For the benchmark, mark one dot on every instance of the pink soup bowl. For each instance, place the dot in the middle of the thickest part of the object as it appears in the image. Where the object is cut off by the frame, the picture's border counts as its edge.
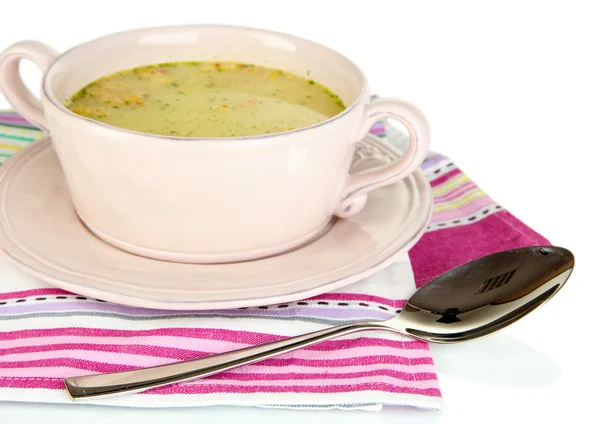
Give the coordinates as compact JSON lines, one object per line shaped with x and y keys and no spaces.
{"x":209,"y":200}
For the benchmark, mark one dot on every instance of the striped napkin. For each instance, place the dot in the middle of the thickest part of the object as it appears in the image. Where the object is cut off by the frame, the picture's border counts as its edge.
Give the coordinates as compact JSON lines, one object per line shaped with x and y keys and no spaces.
{"x":47,"y":334}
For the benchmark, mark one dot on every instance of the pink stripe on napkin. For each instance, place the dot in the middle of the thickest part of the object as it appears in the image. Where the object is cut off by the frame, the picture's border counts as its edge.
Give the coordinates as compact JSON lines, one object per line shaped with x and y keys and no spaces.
{"x":438,"y":251}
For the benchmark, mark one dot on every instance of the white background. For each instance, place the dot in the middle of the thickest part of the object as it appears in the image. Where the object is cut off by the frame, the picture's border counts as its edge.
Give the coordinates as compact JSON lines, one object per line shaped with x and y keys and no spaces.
{"x":512,"y":93}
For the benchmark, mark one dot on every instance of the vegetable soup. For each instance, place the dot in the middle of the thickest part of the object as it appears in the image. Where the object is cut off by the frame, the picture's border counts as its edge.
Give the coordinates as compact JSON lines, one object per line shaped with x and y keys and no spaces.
{"x":206,"y":99}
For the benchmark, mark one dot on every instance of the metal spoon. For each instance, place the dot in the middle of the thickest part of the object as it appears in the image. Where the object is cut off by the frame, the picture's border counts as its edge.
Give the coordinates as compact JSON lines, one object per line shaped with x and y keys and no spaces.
{"x":467,"y":302}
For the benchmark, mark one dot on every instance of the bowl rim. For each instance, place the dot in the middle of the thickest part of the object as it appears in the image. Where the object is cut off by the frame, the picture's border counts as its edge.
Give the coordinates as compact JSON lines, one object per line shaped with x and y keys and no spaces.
{"x":47,"y":92}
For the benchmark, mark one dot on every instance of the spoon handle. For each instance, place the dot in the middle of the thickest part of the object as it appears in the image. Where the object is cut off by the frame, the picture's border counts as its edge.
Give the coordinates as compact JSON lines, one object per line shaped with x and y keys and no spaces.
{"x":98,"y":385}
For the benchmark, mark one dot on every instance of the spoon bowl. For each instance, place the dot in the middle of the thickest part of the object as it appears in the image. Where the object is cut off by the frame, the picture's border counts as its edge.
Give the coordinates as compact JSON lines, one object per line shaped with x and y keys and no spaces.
{"x":485,"y":295}
{"x":468,"y":302}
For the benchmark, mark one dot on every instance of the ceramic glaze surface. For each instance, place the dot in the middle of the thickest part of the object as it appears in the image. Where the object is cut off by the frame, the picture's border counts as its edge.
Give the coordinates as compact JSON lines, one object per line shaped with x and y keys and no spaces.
{"x":40,"y":232}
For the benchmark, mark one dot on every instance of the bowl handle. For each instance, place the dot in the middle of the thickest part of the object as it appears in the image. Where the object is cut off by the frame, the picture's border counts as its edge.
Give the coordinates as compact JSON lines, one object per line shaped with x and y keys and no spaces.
{"x":11,"y":84}
{"x":354,"y":195}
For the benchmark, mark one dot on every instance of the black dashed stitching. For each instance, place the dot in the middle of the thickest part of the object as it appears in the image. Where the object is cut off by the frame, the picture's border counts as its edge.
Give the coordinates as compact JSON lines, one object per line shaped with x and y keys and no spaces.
{"x":323,"y":303}
{"x":470,"y":218}
{"x":438,"y":170}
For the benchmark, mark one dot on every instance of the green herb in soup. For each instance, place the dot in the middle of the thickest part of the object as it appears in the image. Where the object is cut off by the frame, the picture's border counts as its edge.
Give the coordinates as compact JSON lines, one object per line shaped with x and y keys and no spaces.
{"x":206,"y":99}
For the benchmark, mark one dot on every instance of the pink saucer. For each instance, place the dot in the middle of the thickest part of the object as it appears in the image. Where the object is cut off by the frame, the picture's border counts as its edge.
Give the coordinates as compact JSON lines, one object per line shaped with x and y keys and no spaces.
{"x":41,"y":233}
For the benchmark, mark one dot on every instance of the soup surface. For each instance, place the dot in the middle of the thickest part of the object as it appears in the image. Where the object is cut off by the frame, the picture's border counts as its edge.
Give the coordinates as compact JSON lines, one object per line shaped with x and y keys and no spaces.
{"x":206,"y":99}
